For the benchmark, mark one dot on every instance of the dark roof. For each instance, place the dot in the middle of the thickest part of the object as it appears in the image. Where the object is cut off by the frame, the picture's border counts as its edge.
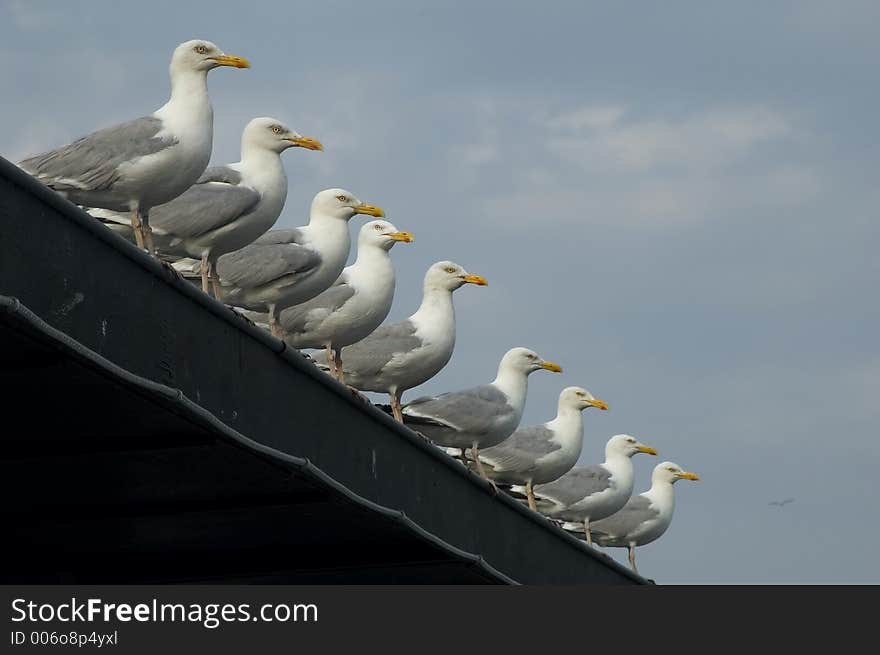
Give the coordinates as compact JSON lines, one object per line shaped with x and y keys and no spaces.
{"x":152,"y":435}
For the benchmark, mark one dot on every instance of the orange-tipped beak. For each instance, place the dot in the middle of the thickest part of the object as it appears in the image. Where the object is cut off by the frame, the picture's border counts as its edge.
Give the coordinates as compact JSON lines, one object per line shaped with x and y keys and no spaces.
{"x":232,"y":60}
{"x":306,"y":142}
{"x":369,"y":210}
{"x":479,"y":280}
{"x":598,"y":404}
{"x":551,"y":366}
{"x":406,"y":237}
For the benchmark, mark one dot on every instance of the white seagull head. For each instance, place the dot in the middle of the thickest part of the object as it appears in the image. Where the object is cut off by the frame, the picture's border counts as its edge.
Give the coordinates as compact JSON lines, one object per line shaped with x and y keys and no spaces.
{"x":343,"y":205}
{"x":449,"y":276}
{"x":527,"y":361}
{"x":670,"y":472}
{"x":382,"y":234}
{"x":627,"y":445}
{"x":266,"y":133}
{"x":199,"y":55}
{"x":580,"y":399}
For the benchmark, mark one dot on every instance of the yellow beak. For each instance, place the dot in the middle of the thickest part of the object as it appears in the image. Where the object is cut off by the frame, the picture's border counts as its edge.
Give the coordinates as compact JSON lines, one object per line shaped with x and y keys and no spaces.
{"x":479,"y":280}
{"x":647,"y":449}
{"x":406,"y":237}
{"x":369,"y":210}
{"x":599,"y":404}
{"x":306,"y":142}
{"x":551,"y":366}
{"x":687,"y":475}
{"x":232,"y":60}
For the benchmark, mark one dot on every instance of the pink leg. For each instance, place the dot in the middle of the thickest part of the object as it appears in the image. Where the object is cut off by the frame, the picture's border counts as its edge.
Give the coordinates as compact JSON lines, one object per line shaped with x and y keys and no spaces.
{"x":331,"y":360}
{"x":148,"y":234}
{"x":274,"y":326}
{"x":587,"y":532}
{"x":215,"y":280}
{"x":205,"y":270}
{"x":475,"y":454}
{"x":337,"y":359}
{"x":395,"y":407}
{"x":137,"y":228}
{"x":530,"y":494}
{"x":632,"y":558}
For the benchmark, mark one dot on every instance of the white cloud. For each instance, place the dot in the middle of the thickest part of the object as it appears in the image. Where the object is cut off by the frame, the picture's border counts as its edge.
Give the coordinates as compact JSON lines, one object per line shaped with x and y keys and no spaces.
{"x":596,"y":136}
{"x":27,"y":16}
{"x":610,"y":164}
{"x":589,"y":118}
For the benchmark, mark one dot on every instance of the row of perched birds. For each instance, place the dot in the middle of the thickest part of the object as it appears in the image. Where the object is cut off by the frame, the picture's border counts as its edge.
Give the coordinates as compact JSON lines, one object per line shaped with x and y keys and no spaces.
{"x":148,"y":180}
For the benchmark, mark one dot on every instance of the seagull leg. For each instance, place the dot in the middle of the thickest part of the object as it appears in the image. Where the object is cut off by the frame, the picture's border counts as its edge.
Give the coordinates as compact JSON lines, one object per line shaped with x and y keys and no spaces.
{"x":215,"y":279}
{"x":337,"y":358}
{"x":148,"y":233}
{"x":274,"y":327}
{"x":137,"y":227}
{"x":587,"y":532}
{"x":463,"y":457}
{"x":205,"y":273}
{"x":530,"y":494}
{"x":632,"y":558}
{"x":395,"y":407}
{"x":475,"y":453}
{"x":331,"y":361}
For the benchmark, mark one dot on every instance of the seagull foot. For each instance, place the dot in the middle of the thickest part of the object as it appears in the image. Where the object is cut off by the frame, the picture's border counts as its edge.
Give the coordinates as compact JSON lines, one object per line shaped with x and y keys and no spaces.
{"x":357,"y":394}
{"x":242,"y":316}
{"x":168,"y":267}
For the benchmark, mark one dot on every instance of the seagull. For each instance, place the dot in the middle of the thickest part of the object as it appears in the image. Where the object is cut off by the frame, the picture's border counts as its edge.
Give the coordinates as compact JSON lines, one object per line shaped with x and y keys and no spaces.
{"x":645,"y":517}
{"x":289,"y":266}
{"x":589,"y":493}
{"x":781,"y":503}
{"x":134,"y":166}
{"x":541,"y":453}
{"x":355,"y":305}
{"x":229,"y":206}
{"x":480,"y":417}
{"x":403,"y":355}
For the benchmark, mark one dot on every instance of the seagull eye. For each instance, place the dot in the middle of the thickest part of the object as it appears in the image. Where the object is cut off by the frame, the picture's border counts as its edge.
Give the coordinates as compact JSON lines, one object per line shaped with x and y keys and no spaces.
{"x":377,"y":227}
{"x":342,"y":198}
{"x":449,"y":269}
{"x":276,"y":129}
{"x":201,"y":49}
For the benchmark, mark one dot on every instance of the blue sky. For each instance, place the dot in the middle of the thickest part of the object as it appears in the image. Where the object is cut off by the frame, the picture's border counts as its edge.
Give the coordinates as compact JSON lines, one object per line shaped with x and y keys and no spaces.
{"x":675,"y":201}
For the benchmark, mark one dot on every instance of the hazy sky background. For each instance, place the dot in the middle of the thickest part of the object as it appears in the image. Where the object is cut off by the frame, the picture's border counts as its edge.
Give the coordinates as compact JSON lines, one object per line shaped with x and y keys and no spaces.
{"x":676,"y":201}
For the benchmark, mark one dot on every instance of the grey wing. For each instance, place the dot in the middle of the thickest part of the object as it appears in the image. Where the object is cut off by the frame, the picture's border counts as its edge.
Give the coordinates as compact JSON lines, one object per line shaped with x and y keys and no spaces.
{"x":259,"y":264}
{"x":202,"y":208}
{"x":473,"y":410}
{"x":637,"y":511}
{"x":369,"y":356}
{"x":92,"y":162}
{"x":220,"y":174}
{"x":300,"y":318}
{"x":521,"y":449}
{"x":579,"y":483}
{"x":286,"y":235}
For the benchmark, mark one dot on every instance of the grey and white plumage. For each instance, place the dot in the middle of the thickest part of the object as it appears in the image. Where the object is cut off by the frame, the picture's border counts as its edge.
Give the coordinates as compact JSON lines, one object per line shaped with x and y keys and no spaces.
{"x":483,"y":416}
{"x":356,"y":304}
{"x":644,"y":518}
{"x":589,"y":493}
{"x":286,"y":267}
{"x":229,"y":206}
{"x":400,"y":356}
{"x":148,"y":161}
{"x":541,"y":453}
